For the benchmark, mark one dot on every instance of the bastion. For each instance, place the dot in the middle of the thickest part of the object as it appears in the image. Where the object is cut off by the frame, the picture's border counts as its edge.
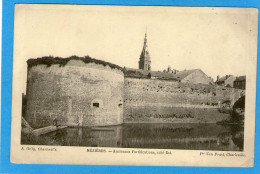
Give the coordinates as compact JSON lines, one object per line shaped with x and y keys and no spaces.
{"x":74,"y":92}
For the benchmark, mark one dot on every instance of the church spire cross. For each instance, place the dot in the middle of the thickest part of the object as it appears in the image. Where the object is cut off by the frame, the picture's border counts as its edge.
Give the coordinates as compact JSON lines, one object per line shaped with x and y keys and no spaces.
{"x":145,"y":42}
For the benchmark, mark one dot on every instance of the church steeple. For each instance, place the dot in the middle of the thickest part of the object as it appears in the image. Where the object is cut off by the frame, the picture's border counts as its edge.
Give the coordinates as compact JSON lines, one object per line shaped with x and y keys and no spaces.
{"x":145,"y":61}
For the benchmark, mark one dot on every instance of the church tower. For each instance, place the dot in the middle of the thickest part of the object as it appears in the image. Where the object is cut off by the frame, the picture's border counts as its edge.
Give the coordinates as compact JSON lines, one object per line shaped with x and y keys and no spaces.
{"x":145,"y":61}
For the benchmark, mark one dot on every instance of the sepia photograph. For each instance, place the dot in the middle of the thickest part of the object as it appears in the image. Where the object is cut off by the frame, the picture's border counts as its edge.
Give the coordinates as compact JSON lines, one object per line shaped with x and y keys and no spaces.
{"x":133,"y":79}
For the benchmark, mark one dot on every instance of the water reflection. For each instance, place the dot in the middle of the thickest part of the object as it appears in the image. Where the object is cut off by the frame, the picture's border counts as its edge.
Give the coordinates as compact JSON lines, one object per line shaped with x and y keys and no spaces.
{"x":181,"y":136}
{"x":157,"y":136}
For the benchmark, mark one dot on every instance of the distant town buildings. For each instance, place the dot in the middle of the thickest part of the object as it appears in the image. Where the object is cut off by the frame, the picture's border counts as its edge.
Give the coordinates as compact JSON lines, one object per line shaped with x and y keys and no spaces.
{"x":139,"y":73}
{"x":227,"y":80}
{"x":232,"y":81}
{"x":170,"y":70}
{"x":240,"y":82}
{"x":190,"y":76}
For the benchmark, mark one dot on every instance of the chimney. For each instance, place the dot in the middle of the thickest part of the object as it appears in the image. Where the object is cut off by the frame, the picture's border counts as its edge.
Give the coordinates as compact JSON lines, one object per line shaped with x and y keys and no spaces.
{"x":217,"y":78}
{"x":227,"y":76}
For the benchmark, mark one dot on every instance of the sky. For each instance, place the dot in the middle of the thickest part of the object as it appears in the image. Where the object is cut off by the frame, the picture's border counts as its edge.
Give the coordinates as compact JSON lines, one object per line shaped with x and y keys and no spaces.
{"x":216,"y":40}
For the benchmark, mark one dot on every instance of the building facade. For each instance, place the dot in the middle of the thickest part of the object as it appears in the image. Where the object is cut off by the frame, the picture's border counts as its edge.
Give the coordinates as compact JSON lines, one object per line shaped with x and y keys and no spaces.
{"x":240,"y":82}
{"x":227,"y":80}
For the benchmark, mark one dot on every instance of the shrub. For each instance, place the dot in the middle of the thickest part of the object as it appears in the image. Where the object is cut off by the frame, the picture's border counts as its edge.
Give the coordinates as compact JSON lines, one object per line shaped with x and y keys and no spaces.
{"x":50,"y":60}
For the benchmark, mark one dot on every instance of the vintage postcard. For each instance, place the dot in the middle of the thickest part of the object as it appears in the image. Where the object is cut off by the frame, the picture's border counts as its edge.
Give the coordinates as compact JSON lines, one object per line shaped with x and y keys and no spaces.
{"x":134,"y":85}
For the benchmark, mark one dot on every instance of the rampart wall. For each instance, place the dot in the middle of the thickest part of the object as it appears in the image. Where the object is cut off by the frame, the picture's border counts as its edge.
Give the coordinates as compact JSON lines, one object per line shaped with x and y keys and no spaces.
{"x":77,"y":94}
{"x":148,"y":100}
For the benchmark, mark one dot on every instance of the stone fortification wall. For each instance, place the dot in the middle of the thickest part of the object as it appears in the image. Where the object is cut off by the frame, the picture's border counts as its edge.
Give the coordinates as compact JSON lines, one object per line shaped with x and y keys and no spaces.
{"x":147,"y":92}
{"x":169,"y":101}
{"x":76,"y":94}
{"x":173,"y":115}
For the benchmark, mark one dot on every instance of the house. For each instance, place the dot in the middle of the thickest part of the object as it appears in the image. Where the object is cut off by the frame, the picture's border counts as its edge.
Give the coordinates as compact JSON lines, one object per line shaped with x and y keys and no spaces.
{"x":193,"y":76}
{"x":227,"y":80}
{"x":186,"y":76}
{"x":240,"y":82}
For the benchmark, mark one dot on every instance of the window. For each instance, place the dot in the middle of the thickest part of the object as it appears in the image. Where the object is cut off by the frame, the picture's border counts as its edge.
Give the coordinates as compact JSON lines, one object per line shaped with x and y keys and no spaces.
{"x":96,"y":105}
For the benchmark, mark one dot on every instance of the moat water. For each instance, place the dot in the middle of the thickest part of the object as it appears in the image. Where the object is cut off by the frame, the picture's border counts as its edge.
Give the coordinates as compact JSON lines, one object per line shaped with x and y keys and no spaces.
{"x":153,"y":136}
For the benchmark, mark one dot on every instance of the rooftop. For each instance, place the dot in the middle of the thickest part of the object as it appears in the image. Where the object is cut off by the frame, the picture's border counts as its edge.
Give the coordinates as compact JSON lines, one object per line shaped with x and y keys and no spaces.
{"x":182,"y":74}
{"x":223,"y":78}
{"x":138,"y":73}
{"x":241,"y":78}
